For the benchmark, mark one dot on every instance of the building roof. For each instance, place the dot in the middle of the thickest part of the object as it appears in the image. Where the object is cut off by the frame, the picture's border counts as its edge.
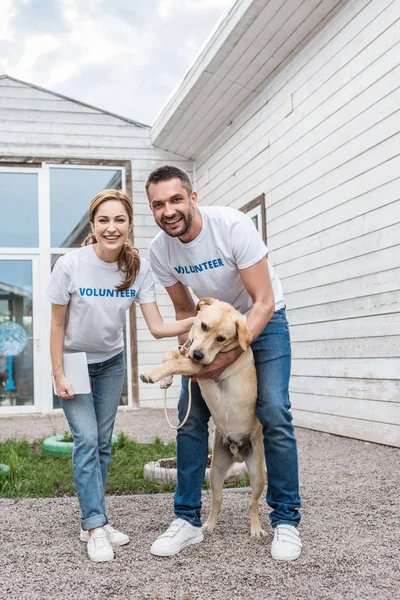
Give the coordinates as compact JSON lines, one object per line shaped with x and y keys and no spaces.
{"x":253,"y":41}
{"x":106,"y":112}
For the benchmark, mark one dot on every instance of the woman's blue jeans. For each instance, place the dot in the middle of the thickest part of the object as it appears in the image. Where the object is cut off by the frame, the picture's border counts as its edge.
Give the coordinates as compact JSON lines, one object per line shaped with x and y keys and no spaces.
{"x":91,"y":420}
{"x":272,"y":355}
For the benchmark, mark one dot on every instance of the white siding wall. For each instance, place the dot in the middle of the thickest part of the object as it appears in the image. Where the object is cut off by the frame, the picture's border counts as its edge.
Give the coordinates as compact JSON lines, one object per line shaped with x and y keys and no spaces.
{"x":37,"y":123}
{"x":330,"y":171}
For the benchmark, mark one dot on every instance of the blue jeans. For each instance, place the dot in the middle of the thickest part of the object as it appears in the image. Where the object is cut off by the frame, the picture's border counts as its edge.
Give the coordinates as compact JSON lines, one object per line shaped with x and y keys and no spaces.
{"x":272,"y":355}
{"x":91,"y":420}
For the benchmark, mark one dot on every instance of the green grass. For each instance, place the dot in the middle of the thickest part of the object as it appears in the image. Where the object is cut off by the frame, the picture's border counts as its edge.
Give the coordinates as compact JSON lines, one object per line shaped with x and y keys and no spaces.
{"x":67,"y":436}
{"x":34,"y":474}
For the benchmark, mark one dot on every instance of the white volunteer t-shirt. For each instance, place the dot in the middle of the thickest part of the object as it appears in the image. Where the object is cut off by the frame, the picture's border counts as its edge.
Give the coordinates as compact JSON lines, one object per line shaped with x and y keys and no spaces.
{"x":209,"y":264}
{"x":96,"y":313}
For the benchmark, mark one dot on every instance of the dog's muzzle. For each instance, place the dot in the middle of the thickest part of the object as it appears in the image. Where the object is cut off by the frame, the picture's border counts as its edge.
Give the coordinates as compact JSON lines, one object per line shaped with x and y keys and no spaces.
{"x":197,"y":355}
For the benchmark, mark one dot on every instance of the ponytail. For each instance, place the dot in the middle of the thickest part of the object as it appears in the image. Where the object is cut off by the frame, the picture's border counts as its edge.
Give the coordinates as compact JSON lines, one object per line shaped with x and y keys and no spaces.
{"x":129,"y":263}
{"x":89,"y":239}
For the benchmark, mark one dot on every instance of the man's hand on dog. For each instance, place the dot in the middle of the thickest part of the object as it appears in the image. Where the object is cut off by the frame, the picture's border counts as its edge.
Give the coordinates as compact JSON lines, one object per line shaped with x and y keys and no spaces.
{"x":219,"y":364}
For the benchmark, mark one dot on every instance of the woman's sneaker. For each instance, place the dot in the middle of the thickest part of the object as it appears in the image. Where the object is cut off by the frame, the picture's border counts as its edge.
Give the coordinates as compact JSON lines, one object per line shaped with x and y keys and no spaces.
{"x":99,"y":547}
{"x":117,"y":538}
{"x":178,"y":535}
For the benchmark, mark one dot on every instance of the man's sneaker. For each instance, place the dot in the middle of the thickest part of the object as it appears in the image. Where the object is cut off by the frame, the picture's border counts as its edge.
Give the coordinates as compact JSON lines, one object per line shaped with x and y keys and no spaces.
{"x":99,"y":547}
{"x":287,"y":544}
{"x":117,"y":538}
{"x":178,"y":535}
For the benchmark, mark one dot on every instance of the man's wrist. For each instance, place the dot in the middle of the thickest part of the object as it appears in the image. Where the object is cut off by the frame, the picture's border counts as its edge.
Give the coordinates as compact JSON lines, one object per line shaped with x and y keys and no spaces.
{"x":238,"y":351}
{"x":233,"y":355}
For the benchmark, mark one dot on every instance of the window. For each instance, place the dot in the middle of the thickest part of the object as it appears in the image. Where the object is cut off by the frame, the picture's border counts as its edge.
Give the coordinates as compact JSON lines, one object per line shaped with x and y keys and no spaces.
{"x":19,"y":210}
{"x":16,"y":333}
{"x":256,"y":211}
{"x":71,"y":190}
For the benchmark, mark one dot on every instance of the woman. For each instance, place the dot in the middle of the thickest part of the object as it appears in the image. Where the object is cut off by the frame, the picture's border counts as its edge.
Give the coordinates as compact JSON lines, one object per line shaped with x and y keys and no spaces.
{"x":91,"y":289}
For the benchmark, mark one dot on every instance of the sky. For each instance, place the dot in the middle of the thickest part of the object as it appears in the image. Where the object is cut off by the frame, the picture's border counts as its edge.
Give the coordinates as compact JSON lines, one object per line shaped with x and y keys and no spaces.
{"x":124,"y":56}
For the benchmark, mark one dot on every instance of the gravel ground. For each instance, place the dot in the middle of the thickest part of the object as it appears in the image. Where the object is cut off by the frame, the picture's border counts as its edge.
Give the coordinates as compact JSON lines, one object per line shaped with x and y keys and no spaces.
{"x":350,"y":532}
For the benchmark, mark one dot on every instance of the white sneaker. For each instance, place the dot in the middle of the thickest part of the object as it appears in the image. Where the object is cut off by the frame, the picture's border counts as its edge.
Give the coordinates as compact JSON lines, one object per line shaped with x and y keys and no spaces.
{"x":99,"y":547}
{"x":287,"y":544}
{"x":178,"y":535}
{"x":117,"y":538}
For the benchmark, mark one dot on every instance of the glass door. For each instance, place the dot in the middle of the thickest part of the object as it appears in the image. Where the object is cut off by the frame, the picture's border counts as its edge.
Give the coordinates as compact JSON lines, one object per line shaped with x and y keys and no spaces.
{"x":18,"y":342}
{"x":71,"y":187}
{"x":19,"y":288}
{"x":43,"y":215}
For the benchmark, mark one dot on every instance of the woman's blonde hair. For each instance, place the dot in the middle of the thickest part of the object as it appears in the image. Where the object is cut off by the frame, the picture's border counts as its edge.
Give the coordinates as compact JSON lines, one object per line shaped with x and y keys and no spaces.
{"x":128,"y":259}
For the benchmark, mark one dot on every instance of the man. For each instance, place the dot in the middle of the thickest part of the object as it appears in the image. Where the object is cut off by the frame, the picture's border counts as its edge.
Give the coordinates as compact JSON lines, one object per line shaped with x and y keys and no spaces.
{"x":217,"y":252}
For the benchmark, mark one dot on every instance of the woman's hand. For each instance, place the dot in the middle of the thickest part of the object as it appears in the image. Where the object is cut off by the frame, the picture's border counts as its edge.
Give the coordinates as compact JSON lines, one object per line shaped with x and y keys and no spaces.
{"x":160,"y":328}
{"x":188,"y":322}
{"x":63,"y":387}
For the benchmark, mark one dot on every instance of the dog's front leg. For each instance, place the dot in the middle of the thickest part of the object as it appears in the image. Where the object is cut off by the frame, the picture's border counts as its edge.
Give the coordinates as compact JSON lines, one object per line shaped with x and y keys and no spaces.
{"x":176,"y":365}
{"x":165,"y":382}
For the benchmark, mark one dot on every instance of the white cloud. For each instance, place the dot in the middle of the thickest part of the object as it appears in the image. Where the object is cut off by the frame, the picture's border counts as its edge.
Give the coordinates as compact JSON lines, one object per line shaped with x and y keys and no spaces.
{"x":35,"y":47}
{"x":124,"y":56}
{"x":101,"y":38}
{"x":6,"y":14}
{"x":205,"y":5}
{"x":61,"y":72}
{"x":166,"y":7}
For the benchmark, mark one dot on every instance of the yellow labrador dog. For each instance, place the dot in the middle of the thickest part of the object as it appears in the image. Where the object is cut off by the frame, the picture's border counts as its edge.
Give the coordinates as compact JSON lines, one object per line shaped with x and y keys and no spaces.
{"x":218,"y":327}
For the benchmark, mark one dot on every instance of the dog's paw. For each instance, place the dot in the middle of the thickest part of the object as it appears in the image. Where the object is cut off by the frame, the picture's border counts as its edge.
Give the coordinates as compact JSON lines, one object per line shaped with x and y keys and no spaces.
{"x":166,"y":382}
{"x":258,"y":532}
{"x":146,"y":378}
{"x":208,"y":526}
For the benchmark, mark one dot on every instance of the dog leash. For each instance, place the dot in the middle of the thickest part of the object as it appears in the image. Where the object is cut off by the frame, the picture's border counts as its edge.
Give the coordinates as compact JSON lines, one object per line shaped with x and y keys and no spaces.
{"x":188,"y":408}
{"x":184,"y":346}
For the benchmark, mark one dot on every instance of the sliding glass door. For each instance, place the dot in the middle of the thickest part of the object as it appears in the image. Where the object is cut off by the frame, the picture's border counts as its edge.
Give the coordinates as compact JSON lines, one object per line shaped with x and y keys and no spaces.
{"x":43,"y":215}
{"x":19,"y":342}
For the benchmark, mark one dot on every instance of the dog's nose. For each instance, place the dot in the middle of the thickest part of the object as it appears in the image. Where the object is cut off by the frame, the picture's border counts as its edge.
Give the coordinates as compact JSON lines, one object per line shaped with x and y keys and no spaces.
{"x":197,"y":354}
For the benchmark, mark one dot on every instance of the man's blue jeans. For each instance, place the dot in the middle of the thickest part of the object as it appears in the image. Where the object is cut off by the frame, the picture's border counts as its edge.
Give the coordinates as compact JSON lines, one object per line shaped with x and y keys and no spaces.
{"x":91,"y":420}
{"x":272,"y":354}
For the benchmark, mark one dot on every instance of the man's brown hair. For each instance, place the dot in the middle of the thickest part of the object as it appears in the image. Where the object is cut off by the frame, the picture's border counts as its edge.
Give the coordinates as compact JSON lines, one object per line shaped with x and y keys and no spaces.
{"x":167,"y":172}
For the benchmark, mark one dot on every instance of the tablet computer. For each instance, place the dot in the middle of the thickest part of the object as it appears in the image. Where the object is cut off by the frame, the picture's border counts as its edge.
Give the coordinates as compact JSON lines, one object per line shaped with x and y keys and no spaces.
{"x":76,"y":371}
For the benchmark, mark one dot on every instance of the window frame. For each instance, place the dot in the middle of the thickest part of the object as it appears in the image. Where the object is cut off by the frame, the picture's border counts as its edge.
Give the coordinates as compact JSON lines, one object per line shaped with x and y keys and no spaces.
{"x":256,"y":203}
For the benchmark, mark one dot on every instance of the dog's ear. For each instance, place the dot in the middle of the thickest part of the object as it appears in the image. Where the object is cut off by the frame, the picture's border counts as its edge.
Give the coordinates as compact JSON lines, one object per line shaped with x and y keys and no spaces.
{"x":244,"y":334}
{"x":203,"y":302}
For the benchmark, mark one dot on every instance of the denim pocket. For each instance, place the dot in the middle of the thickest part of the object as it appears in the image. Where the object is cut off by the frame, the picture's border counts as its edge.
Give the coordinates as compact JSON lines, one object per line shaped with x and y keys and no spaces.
{"x":279,"y":317}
